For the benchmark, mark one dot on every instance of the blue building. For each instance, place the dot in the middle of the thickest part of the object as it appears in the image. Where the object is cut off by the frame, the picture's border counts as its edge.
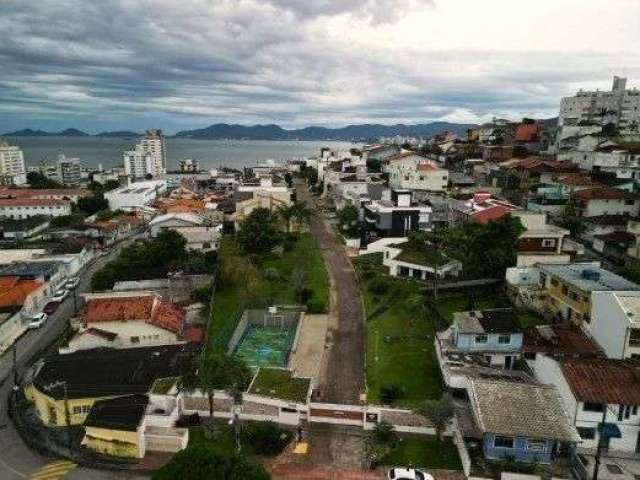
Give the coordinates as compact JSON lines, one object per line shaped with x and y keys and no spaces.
{"x":520,"y":421}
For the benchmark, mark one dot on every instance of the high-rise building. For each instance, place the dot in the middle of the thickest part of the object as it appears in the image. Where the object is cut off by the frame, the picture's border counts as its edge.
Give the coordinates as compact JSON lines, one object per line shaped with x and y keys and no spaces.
{"x":69,"y":170}
{"x":12,"y":168}
{"x":619,"y":106}
{"x":148,"y":157}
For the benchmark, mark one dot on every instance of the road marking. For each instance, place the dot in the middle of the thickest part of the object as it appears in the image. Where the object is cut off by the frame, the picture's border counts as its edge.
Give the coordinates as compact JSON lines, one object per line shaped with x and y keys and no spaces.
{"x":53,"y":471}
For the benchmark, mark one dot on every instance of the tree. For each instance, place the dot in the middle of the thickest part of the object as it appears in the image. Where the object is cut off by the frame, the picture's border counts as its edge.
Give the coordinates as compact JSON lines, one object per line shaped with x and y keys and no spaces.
{"x":258,"y":232}
{"x":287,"y":214}
{"x":38,"y":180}
{"x":571,"y":219}
{"x":288,"y":179}
{"x":217,"y":371}
{"x":206,"y":462}
{"x":93,"y":204}
{"x":348,"y":219}
{"x":298,"y":283}
{"x":440,"y":412}
{"x":301,"y":212}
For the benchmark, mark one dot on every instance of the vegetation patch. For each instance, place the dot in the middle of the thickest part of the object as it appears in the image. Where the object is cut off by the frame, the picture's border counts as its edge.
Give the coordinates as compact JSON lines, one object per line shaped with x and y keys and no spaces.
{"x":424,"y":451}
{"x":281,"y":384}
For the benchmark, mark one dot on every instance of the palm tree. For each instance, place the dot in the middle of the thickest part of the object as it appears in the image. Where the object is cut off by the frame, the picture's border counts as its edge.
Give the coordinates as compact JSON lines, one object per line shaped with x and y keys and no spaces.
{"x":287,"y":213}
{"x":302,"y":213}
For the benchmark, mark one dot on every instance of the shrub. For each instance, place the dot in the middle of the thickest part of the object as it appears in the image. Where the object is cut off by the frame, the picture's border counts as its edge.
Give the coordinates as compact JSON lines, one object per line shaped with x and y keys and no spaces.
{"x":379,"y":286}
{"x":389,"y":393}
{"x":266,"y":438}
{"x":315,"y":305}
{"x":186,"y":421}
{"x":306,"y":295}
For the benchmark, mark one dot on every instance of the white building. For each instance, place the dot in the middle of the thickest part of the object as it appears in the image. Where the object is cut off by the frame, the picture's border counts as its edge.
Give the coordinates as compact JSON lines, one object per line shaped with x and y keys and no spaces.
{"x":618,"y":106}
{"x":148,"y":157}
{"x":12,"y":168}
{"x":173,"y":221}
{"x":414,"y":172}
{"x":69,"y":170}
{"x":18,"y":208}
{"x":135,"y":195}
{"x":596,"y":392}
{"x":615,"y":323}
{"x":204,"y":239}
{"x":541,"y":242}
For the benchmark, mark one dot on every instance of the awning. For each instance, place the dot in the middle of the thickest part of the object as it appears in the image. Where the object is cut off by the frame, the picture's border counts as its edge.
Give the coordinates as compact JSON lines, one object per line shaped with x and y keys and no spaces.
{"x":610,"y":430}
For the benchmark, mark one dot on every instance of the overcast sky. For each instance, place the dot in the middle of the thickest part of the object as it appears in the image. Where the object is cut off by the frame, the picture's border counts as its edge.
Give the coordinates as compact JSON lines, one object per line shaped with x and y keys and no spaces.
{"x":176,"y":64}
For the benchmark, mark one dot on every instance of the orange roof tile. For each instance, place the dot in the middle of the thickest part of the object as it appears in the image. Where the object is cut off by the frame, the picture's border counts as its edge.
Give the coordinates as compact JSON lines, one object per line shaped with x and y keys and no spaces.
{"x":14,"y":291}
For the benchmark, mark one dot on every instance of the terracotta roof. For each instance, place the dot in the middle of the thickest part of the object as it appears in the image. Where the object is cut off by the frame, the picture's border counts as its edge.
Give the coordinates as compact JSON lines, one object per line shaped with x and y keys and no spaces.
{"x":31,"y":202}
{"x":600,"y":193}
{"x":526,"y":132}
{"x":149,"y":308}
{"x":578,"y":179}
{"x":559,"y":340}
{"x":492,"y":213}
{"x":427,"y":167}
{"x":402,"y":155}
{"x":14,"y":290}
{"x":193,"y":334}
{"x":603,"y":381}
{"x":42,"y":192}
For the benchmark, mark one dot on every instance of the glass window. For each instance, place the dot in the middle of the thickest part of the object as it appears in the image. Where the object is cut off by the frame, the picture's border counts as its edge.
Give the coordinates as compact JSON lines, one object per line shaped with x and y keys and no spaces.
{"x":549,"y":242}
{"x":634,"y":337}
{"x":504,"y":338}
{"x":587,"y":433}
{"x":536,"y":446}
{"x":503,"y":442}
{"x":481,"y":339}
{"x":592,"y":407}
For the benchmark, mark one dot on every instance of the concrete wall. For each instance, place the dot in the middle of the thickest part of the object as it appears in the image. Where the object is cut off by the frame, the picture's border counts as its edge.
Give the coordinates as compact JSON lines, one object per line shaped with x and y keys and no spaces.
{"x":609,"y":324}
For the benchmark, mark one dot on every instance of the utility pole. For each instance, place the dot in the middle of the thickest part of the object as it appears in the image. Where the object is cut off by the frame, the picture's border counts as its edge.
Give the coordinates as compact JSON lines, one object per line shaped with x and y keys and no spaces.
{"x":15,"y":368}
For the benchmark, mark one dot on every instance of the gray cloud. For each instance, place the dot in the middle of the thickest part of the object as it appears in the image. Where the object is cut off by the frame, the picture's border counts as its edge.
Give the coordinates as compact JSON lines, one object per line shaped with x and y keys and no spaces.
{"x":135,"y":64}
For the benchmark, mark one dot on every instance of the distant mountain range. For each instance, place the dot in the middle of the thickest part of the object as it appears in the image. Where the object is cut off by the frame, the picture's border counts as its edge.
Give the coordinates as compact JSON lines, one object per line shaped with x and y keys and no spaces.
{"x":224,"y":131}
{"x":349,"y":133}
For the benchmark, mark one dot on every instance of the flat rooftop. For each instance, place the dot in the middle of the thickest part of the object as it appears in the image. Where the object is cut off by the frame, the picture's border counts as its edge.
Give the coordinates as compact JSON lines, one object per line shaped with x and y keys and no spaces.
{"x":589,"y":277}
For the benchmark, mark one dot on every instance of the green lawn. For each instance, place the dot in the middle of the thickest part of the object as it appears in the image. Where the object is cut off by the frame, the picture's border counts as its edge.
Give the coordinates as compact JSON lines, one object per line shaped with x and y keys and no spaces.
{"x":227,"y":305}
{"x":425,"y":452}
{"x":277,"y":383}
{"x":400,"y":347}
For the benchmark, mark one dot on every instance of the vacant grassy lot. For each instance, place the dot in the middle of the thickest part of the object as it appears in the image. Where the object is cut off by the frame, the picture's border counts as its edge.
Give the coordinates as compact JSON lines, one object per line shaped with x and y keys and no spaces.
{"x":425,"y":452}
{"x":228,"y":305}
{"x":400,"y":347}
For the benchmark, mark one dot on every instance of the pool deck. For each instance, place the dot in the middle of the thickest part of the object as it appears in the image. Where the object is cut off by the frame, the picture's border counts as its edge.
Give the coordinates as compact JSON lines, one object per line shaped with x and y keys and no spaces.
{"x":307,"y":359}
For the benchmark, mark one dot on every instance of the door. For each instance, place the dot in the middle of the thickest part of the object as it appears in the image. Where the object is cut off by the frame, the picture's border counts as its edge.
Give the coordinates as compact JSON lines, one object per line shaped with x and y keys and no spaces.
{"x":508,"y":362}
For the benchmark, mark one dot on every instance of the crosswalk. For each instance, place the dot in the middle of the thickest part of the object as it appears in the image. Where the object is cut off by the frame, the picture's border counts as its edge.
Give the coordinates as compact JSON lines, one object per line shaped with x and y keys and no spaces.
{"x":53,"y":470}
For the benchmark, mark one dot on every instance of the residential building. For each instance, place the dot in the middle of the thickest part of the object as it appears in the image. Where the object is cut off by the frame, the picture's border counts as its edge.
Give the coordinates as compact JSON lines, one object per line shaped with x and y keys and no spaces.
{"x":597,"y":392}
{"x":135,"y":195}
{"x":189,"y":165}
{"x":21,"y":208}
{"x":69,"y":170}
{"x":174,"y":220}
{"x":615,"y":323}
{"x":409,"y":171}
{"x":481,"y":208}
{"x":558,"y":341}
{"x":407,"y":260}
{"x":520,"y":421}
{"x":127,"y":320}
{"x":21,"y":294}
{"x":204,"y":239}
{"x":478,"y":343}
{"x":98,"y":374}
{"x":64,"y":194}
{"x":618,"y":106}
{"x":614,"y":245}
{"x":395,"y":215}
{"x":541,"y":242}
{"x":633,"y":227}
{"x":20,"y":230}
{"x":594,"y":202}
{"x":148,"y":157}
{"x":12,"y":167}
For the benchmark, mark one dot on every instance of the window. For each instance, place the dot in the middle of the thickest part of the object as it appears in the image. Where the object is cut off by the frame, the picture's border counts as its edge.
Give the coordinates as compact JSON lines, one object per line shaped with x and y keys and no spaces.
{"x":503,"y":442}
{"x":505,"y":338}
{"x":592,"y":407}
{"x":549,"y":242}
{"x":135,"y":339}
{"x":536,"y":446}
{"x":76,"y":410}
{"x":587,"y":433}
{"x":634,"y":337}
{"x":206,"y":245}
{"x":481,"y":339}
{"x":565,"y":290}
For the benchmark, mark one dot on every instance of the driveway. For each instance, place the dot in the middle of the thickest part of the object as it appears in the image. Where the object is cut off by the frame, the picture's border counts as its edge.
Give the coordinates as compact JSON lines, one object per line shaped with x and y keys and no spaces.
{"x":17,"y":461}
{"x":342,"y":376}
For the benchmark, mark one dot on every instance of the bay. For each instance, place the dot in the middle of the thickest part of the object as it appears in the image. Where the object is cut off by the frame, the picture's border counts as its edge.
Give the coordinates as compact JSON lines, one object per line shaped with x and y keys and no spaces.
{"x":94,"y":151}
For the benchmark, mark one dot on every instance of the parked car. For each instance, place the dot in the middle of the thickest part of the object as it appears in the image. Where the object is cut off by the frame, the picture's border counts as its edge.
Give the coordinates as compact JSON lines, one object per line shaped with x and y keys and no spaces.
{"x":51,"y":307}
{"x":60,"y":295}
{"x":400,"y":473}
{"x":38,"y":320}
{"x":72,"y":283}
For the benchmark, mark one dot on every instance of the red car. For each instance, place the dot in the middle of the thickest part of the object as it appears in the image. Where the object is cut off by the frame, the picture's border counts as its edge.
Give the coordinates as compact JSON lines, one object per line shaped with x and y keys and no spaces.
{"x":51,"y":307}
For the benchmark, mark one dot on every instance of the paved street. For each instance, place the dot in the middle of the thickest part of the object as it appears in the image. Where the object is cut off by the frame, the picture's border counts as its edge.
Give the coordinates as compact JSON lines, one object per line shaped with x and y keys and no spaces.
{"x":342,"y":380}
{"x":17,"y":461}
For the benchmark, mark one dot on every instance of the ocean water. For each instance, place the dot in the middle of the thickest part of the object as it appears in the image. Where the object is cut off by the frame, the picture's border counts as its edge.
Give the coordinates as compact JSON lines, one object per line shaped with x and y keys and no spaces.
{"x":210,"y":153}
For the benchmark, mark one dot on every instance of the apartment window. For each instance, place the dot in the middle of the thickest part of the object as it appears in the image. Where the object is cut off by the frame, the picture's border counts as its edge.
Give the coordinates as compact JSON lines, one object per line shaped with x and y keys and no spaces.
{"x":586,"y":433}
{"x":634,"y":337}
{"x":504,"y":339}
{"x":593,"y":407}
{"x":481,"y":339}
{"x":135,"y":339}
{"x":76,"y":410}
{"x":536,"y":446}
{"x":549,"y":242}
{"x":503,"y":442}
{"x":630,"y":201}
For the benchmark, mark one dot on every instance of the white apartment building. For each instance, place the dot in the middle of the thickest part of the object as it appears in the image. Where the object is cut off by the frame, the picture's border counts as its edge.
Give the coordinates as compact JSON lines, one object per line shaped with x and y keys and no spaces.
{"x":69,"y":170}
{"x":20,"y":208}
{"x":12,"y":168}
{"x":135,"y":195}
{"x":615,"y":323}
{"x":618,"y":106}
{"x":413,"y":172}
{"x":148,"y":157}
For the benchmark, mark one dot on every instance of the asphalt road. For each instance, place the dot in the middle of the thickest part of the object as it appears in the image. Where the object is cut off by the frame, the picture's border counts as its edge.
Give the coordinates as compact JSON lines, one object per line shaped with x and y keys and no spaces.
{"x":17,"y":461}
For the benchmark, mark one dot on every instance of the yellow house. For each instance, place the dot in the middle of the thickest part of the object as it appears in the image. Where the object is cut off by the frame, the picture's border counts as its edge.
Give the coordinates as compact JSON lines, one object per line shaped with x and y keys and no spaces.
{"x":51,"y":410}
{"x":569,"y":288}
{"x":116,"y":426}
